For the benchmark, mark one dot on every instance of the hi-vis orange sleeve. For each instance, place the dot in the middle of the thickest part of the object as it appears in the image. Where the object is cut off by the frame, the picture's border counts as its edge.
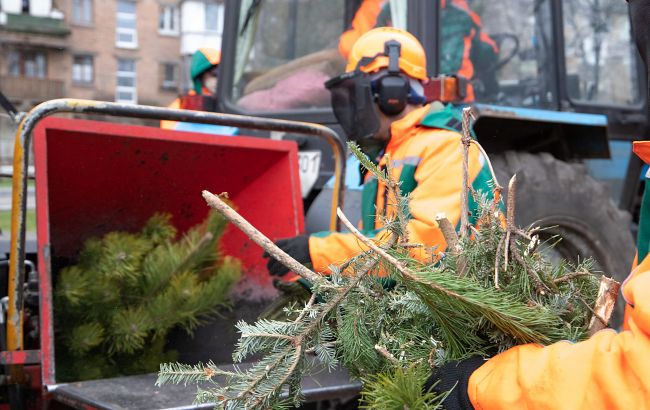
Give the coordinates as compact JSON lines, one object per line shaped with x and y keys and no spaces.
{"x":439,"y":181}
{"x":608,"y":371}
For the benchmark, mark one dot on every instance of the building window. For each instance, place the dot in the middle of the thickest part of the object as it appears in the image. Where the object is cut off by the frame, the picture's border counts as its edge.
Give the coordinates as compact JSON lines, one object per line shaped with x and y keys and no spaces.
{"x":24,"y":6}
{"x":82,"y":12}
{"x":125,"y":91}
{"x":168,"y":21}
{"x":25,"y":63}
{"x":214,"y":17}
{"x":126,"y":33}
{"x":169,"y":76}
{"x":82,"y":69}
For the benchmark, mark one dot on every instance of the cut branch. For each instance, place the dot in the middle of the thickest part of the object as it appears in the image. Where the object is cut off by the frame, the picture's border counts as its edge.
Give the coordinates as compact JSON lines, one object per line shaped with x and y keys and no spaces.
{"x":466,"y":141}
{"x":258,"y":237}
{"x":384,"y":352}
{"x":406,"y":272}
{"x":607,"y":294}
{"x":453,"y":245}
{"x":448,"y":231}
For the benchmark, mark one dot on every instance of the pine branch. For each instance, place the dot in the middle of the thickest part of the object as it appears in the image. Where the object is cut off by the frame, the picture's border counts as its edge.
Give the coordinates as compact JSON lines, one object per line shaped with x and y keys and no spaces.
{"x":514,"y":325}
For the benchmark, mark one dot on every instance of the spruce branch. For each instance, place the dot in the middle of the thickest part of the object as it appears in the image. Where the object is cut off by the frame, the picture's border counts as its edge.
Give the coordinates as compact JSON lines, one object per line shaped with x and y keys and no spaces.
{"x":256,"y":236}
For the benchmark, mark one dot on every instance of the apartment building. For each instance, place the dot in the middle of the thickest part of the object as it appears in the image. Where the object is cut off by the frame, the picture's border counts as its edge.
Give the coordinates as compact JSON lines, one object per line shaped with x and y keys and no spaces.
{"x":34,"y":38}
{"x":123,"y":50}
{"x":112,"y":50}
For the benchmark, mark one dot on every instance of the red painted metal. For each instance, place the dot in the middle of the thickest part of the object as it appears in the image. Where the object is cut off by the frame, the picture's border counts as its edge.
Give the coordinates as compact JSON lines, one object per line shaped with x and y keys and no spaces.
{"x":20,"y":357}
{"x":96,"y":177}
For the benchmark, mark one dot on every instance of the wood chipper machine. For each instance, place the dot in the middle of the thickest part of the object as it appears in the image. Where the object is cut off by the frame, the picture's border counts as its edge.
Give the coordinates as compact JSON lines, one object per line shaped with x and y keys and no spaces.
{"x":95,"y":177}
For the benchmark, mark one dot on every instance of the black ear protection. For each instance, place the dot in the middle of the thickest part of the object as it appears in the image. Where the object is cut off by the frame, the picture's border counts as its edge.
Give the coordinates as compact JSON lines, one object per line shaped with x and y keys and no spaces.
{"x":392,"y":91}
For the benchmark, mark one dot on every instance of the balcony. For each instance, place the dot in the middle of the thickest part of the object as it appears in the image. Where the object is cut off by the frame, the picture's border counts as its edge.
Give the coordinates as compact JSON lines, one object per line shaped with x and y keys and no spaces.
{"x":26,"y":29}
{"x":32,"y":89}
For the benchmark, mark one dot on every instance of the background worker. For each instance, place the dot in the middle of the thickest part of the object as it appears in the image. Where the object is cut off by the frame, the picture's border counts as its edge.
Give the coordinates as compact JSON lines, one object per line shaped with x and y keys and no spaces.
{"x":379,"y":103}
{"x":608,"y":371}
{"x":204,"y":74}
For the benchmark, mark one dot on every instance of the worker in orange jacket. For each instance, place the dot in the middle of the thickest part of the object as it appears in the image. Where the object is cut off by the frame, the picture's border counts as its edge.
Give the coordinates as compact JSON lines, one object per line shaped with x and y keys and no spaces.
{"x":379,"y":103}
{"x":608,"y":371}
{"x":203,"y":72}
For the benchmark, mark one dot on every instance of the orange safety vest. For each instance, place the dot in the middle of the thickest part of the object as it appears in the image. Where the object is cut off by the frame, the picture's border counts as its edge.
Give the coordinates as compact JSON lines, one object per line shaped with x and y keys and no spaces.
{"x":171,"y":125}
{"x":428,"y":162}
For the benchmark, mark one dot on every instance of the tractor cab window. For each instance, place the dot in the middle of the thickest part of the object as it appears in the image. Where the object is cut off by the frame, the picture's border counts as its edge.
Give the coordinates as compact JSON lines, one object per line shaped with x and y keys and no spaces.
{"x":505,"y":52}
{"x":599,"y":52}
{"x":286,"y":50}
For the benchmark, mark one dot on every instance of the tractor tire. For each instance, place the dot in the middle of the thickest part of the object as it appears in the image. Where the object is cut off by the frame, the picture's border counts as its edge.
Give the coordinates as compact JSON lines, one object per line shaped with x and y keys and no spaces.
{"x":563,"y":197}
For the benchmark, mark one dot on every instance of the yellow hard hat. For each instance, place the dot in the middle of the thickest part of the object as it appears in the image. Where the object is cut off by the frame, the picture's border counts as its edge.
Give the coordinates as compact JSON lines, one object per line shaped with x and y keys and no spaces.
{"x":412,"y":60}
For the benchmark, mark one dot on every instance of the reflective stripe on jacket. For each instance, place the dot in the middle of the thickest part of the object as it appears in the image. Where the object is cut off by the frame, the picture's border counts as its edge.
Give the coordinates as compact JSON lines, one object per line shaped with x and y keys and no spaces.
{"x":428,"y":162}
{"x":608,"y":371}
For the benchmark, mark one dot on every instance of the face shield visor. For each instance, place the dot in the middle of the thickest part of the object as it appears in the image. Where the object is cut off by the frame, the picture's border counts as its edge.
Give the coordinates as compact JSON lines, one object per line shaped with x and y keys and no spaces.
{"x":354,"y":105}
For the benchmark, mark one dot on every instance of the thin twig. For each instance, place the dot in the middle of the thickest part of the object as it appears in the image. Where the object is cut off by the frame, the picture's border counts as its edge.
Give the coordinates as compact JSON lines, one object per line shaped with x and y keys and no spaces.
{"x":540,"y":287}
{"x":271,"y":335}
{"x":384,"y":352}
{"x":394,"y":189}
{"x":570,"y":276}
{"x":406,"y":272}
{"x":328,"y":344}
{"x":594,"y":315}
{"x":496,"y":262}
{"x":258,"y":237}
{"x":308,"y":306}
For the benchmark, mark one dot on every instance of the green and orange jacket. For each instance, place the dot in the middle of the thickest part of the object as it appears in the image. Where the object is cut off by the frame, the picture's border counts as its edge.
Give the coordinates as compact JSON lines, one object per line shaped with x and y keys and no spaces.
{"x":608,"y":371}
{"x":425,"y":154}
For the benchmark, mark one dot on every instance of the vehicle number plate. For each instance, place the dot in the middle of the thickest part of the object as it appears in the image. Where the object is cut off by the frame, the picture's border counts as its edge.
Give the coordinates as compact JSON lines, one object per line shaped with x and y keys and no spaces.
{"x":308,"y":166}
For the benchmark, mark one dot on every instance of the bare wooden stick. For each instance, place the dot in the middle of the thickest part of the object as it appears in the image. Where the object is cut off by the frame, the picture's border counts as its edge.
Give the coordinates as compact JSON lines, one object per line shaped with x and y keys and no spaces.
{"x":453,"y":246}
{"x":384,"y":352}
{"x":448,"y":231}
{"x":466,"y":140}
{"x":604,"y":306}
{"x":258,"y":237}
{"x":405,"y":271}
{"x":512,"y":192}
{"x":496,"y":261}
